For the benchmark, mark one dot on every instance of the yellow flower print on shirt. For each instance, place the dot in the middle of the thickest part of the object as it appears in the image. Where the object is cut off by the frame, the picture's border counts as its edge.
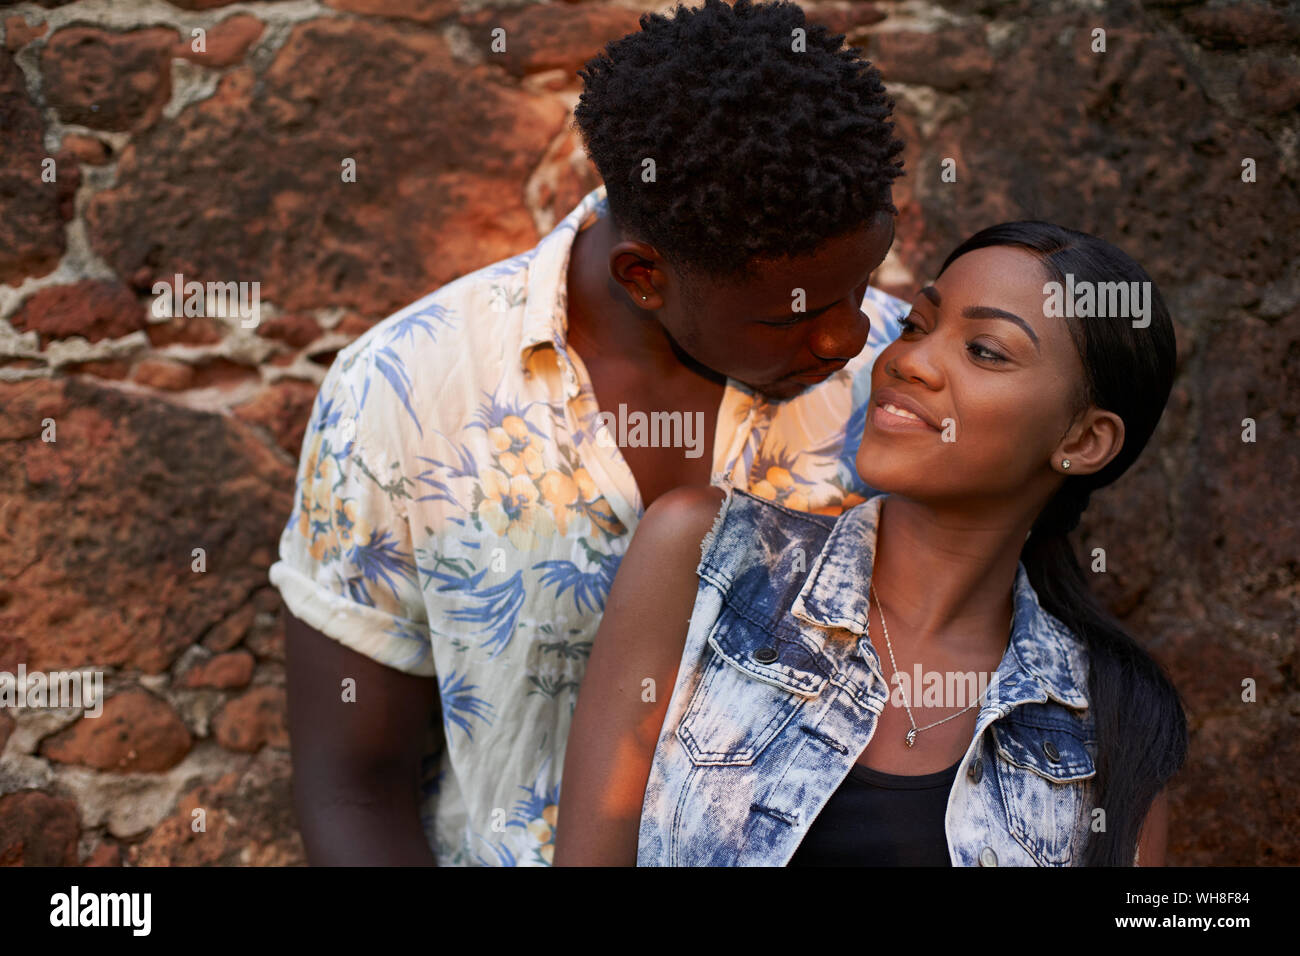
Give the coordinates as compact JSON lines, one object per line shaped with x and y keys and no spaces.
{"x":517,"y":450}
{"x":835,"y":509}
{"x":511,"y":507}
{"x":576,"y":504}
{"x":351,"y":527}
{"x":331,"y":524}
{"x":317,"y":505}
{"x":560,"y":492}
{"x":527,"y":462}
{"x":543,"y":831}
{"x":511,"y":435}
{"x":778,"y":485}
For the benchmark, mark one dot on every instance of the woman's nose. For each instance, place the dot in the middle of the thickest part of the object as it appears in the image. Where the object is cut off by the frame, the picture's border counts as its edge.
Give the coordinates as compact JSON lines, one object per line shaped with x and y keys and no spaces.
{"x":915,"y":362}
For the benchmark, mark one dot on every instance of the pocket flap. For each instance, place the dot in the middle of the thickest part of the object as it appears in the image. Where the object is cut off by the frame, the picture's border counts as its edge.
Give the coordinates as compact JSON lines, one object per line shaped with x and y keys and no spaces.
{"x":776,"y":654}
{"x":1050,"y":742}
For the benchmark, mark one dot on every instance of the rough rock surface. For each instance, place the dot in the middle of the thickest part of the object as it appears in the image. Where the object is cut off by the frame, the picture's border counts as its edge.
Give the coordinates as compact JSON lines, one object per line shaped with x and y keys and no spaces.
{"x":234,"y":164}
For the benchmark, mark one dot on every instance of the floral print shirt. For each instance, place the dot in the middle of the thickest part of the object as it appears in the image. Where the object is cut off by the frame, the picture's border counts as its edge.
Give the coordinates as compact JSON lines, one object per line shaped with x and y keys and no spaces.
{"x":458,"y":516}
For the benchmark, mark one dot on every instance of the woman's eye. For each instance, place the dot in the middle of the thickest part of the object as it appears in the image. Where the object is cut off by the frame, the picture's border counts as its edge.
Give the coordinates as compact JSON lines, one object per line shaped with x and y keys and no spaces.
{"x":985,"y":353}
{"x":906,"y":325}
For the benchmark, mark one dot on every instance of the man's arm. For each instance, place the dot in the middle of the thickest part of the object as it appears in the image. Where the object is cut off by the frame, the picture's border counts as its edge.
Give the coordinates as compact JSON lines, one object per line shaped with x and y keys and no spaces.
{"x":355,"y":764}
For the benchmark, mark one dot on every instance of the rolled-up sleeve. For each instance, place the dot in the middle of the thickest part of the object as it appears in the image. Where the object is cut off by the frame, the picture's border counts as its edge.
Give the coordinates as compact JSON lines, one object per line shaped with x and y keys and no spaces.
{"x":346,"y":564}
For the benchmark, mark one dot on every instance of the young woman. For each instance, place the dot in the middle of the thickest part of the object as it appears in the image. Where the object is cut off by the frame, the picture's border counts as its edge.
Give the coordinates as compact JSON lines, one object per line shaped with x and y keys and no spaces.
{"x":792,"y":693}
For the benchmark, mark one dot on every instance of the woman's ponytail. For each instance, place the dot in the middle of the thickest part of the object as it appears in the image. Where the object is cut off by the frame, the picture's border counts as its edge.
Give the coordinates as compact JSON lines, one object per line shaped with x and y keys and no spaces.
{"x":1140,"y":722}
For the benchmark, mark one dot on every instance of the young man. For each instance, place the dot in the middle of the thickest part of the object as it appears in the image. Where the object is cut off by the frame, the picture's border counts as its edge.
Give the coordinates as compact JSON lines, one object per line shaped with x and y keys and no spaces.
{"x":476,"y":463}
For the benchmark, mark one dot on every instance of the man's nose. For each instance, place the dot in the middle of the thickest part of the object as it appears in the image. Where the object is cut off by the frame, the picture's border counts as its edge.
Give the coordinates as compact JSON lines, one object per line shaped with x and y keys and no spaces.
{"x":839,"y":334}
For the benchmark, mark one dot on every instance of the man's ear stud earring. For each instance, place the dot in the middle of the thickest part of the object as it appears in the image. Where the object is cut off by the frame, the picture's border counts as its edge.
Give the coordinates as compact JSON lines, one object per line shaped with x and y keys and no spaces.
{"x":642,"y":298}
{"x":1065,"y":463}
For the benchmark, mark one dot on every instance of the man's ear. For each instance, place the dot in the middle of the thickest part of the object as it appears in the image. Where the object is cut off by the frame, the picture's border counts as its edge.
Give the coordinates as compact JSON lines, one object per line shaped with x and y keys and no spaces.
{"x":1091,"y":442}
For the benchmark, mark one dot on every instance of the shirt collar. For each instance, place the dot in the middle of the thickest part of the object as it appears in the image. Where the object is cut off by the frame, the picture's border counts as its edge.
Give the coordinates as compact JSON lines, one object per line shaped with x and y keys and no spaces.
{"x":1047,"y":652}
{"x":545,"y":299}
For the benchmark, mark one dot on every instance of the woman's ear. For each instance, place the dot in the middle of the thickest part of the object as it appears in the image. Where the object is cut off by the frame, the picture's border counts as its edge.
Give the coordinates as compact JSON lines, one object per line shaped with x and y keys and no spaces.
{"x":1090,"y":444}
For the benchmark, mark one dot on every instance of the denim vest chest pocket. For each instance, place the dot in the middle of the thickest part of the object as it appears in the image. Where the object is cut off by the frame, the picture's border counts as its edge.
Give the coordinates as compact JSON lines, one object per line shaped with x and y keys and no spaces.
{"x":756,"y":679}
{"x":1044,"y":770}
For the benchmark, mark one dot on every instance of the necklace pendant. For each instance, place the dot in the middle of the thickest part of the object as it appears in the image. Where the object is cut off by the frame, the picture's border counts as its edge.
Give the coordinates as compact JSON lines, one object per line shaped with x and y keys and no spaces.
{"x":911,"y":737}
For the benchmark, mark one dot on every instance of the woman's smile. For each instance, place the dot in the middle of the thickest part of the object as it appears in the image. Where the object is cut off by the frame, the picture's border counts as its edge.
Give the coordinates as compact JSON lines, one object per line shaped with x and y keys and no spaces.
{"x":893,"y":412}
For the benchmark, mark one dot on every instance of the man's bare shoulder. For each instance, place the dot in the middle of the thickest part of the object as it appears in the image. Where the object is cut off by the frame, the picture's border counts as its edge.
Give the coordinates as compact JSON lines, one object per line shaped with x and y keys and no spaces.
{"x":428,"y":362}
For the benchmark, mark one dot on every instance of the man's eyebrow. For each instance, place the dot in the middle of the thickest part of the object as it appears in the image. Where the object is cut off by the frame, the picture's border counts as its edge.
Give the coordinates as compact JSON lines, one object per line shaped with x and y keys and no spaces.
{"x":809,"y":313}
{"x":789,"y":317}
{"x":988,"y":312}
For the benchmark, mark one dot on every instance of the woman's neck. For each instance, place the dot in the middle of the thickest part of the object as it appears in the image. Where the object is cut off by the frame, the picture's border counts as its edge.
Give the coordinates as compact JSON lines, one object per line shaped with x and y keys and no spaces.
{"x":947,"y":575}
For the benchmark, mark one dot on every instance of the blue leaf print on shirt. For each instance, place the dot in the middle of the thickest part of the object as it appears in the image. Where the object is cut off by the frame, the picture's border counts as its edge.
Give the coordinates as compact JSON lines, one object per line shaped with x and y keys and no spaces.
{"x":460,"y":705}
{"x":499,"y":605}
{"x":465,"y":467}
{"x":847,"y":462}
{"x":504,"y":856}
{"x":417,"y":637}
{"x":537,"y":814}
{"x":407,"y":325}
{"x":590,"y":588}
{"x":493,"y":412}
{"x":324,"y":415}
{"x":379,"y":558}
{"x":391,"y":365}
{"x":508,"y":267}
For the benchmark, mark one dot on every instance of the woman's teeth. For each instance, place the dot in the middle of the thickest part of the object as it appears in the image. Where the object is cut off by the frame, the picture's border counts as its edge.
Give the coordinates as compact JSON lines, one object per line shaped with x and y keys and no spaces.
{"x":900,"y":412}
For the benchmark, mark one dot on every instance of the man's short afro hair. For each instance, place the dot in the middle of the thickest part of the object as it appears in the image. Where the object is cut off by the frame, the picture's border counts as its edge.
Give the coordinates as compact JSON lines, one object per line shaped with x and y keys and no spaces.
{"x":759,"y":151}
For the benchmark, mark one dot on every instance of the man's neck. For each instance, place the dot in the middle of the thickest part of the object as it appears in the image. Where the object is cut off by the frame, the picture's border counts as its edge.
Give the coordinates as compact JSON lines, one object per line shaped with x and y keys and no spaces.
{"x":605,"y":328}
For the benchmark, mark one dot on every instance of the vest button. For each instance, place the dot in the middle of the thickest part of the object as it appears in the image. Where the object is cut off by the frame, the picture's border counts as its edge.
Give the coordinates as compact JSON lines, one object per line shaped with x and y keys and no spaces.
{"x":976,"y":770}
{"x":1049,"y":748}
{"x":988,"y":857}
{"x":765,"y":655}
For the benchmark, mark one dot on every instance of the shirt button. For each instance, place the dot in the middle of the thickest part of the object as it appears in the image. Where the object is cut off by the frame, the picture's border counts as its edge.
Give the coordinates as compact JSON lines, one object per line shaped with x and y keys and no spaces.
{"x":765,"y":655}
{"x":1049,"y":748}
{"x":976,"y":770}
{"x":988,"y":857}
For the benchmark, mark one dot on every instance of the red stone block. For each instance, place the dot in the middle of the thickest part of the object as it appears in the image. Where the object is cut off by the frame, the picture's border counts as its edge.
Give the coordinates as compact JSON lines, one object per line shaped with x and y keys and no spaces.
{"x":94,"y":309}
{"x":164,"y":374}
{"x":38,"y":830}
{"x":137,"y":732}
{"x":224,"y":671}
{"x":110,"y":81}
{"x":258,"y":718}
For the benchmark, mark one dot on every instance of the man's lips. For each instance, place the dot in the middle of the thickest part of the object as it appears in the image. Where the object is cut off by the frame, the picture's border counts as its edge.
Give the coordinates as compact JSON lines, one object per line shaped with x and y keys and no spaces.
{"x":825,"y":372}
{"x":902,"y":409}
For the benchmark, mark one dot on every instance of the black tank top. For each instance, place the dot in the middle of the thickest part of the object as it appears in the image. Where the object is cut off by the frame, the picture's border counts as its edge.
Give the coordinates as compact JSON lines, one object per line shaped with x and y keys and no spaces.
{"x":881,"y":819}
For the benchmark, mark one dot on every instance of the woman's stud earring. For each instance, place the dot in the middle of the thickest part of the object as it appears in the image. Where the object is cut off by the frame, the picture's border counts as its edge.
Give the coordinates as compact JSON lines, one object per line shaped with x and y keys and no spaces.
{"x":1065,"y":463}
{"x":642,"y":298}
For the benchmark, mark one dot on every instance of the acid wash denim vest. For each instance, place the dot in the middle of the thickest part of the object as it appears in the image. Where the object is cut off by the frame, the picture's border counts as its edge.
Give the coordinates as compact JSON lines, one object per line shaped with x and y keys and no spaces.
{"x":779,"y":691}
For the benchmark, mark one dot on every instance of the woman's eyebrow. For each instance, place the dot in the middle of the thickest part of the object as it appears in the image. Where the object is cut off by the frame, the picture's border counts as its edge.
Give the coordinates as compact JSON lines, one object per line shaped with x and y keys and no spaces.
{"x":985,"y":312}
{"x":989,"y":312}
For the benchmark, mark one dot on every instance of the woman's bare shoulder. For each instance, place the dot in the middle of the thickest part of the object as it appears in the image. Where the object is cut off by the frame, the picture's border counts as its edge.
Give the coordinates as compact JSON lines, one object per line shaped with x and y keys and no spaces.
{"x":679,"y":519}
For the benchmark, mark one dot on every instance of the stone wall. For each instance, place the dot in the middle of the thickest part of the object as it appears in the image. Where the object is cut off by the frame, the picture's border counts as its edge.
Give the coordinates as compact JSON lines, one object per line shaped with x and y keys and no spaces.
{"x":174,"y":434}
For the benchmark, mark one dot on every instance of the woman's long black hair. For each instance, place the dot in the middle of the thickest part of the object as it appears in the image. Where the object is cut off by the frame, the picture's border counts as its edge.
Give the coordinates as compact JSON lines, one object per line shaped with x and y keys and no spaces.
{"x":1140,"y":724}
